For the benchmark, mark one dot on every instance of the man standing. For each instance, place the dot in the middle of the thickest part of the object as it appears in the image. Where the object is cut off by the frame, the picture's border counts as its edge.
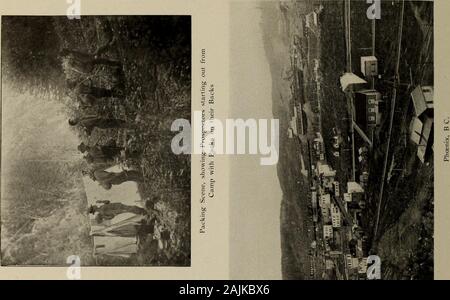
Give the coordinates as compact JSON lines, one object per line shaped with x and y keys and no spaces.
{"x":84,"y":62}
{"x":88,"y":94}
{"x":108,"y":179}
{"x":91,"y":122}
{"x":109,"y":210}
{"x":101,"y":153}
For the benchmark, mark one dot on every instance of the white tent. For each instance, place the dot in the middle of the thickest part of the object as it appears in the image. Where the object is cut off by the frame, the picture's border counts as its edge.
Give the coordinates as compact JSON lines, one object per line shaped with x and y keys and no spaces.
{"x":115,"y":246}
{"x":126,"y":193}
{"x":350,"y":79}
{"x":118,"y":235}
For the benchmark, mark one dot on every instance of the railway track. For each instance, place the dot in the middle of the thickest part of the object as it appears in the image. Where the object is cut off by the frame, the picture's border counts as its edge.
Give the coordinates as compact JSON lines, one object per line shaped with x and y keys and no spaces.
{"x":396,"y":84}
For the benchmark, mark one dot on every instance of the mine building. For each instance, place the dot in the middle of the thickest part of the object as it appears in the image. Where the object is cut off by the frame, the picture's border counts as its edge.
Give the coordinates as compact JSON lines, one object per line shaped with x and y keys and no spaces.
{"x":349,"y":81}
{"x":366,"y":109}
{"x":369,"y":66}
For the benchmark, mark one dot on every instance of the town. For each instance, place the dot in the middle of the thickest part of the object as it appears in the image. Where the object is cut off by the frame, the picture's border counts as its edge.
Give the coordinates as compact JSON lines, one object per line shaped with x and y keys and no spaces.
{"x":337,"y":160}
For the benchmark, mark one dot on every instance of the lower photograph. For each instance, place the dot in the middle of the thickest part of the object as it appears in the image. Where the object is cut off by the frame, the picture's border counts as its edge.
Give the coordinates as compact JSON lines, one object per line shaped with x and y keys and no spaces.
{"x":352,"y":85}
{"x":87,"y":170}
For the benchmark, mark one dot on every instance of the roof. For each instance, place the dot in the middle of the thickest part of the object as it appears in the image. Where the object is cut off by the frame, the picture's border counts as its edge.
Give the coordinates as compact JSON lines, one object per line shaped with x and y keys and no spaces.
{"x":416,"y":130}
{"x":354,"y":187}
{"x":370,"y":92}
{"x":421,"y":150}
{"x":422,"y":98}
{"x":326,"y":170}
{"x":293,"y":125}
{"x":368,"y":58}
{"x":349,"y":79}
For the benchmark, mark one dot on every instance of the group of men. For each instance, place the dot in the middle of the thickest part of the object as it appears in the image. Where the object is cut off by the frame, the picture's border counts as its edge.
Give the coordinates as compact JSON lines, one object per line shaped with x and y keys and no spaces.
{"x":86,"y":92}
{"x":99,"y":156}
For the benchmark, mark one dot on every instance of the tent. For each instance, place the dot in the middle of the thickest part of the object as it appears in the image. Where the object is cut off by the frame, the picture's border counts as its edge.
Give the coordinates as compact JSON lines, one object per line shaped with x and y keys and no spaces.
{"x":114,"y":246}
{"x":350,"y":79}
{"x":116,"y":237}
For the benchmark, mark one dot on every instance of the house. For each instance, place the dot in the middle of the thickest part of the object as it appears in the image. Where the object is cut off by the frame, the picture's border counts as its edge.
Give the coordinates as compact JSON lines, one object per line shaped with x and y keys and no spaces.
{"x":325,"y":170}
{"x":364,"y":179}
{"x":314,"y":199}
{"x":354,"y":187}
{"x":358,"y":201}
{"x":336,"y":217}
{"x":362,"y":267}
{"x":335,"y":253}
{"x":290,"y":133}
{"x":352,"y":262}
{"x":326,"y":174}
{"x":356,"y":195}
{"x":349,"y":261}
{"x":312,"y":21}
{"x":327,"y":232}
{"x":293,"y":123}
{"x":421,"y":128}
{"x":369,"y":66}
{"x":423,"y":100}
{"x":347,"y":197}
{"x":325,"y":212}
{"x":325,"y":204}
{"x":426,"y":139}
{"x":416,"y":128}
{"x":314,"y":206}
{"x":329,"y":264}
{"x":367,"y":110}
{"x":349,"y":81}
{"x":355,"y":263}
{"x":115,"y":237}
{"x":337,"y":239}
{"x":336,"y":188}
{"x":325,"y":201}
{"x":359,"y":248}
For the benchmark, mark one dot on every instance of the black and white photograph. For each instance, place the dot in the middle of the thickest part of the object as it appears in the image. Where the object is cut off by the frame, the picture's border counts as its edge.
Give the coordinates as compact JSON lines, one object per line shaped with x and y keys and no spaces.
{"x":87,"y":169}
{"x":353,"y":89}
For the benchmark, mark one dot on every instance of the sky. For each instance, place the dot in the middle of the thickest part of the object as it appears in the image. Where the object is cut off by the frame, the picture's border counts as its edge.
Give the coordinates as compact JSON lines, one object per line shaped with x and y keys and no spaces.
{"x":255,"y":193}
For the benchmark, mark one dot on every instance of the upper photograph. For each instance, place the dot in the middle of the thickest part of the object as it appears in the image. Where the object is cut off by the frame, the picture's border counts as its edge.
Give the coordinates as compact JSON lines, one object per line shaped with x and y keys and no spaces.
{"x":87,"y":171}
{"x":352,"y":85}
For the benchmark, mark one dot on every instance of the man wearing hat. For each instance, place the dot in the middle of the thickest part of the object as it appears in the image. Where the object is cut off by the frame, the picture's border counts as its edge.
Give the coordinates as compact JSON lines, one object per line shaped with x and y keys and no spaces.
{"x":84,"y":62}
{"x":101,"y":153}
{"x":109,"y":210}
{"x":91,"y":122}
{"x":108,"y":179}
